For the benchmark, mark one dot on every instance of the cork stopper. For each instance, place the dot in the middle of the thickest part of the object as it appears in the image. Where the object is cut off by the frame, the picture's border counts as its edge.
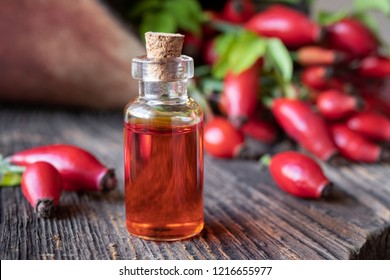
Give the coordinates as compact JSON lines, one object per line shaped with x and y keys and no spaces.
{"x":163,"y":45}
{"x":162,"y":48}
{"x":163,"y":61}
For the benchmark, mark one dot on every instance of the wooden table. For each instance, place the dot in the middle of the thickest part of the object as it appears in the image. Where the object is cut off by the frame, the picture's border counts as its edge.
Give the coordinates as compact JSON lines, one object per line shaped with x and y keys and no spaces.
{"x":246,"y":215}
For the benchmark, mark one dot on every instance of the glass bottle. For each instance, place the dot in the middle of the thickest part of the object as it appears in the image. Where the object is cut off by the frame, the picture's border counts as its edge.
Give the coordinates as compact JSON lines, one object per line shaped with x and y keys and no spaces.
{"x":163,"y":143}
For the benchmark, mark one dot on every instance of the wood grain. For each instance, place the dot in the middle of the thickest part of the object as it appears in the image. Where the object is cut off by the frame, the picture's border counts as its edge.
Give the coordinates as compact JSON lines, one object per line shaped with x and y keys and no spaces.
{"x":246,"y":215}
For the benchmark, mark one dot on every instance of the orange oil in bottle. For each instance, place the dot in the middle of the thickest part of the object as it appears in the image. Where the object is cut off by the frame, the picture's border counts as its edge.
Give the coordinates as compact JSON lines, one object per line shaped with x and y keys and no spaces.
{"x":164,"y":181}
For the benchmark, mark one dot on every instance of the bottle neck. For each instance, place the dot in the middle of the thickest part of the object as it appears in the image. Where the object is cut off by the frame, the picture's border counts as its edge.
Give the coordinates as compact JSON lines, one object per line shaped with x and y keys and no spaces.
{"x":163,"y":79}
{"x":163,"y":90}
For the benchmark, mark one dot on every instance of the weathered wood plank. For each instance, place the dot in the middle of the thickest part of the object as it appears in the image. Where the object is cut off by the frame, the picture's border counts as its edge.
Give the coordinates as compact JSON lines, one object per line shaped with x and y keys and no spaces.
{"x":246,"y":215}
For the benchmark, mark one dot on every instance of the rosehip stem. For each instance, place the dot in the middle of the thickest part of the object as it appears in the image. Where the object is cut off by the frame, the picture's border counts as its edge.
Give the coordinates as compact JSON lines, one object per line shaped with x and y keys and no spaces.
{"x":225,"y":26}
{"x":6,"y":166}
{"x":264,"y":162}
{"x":10,"y":175}
{"x":16,"y":169}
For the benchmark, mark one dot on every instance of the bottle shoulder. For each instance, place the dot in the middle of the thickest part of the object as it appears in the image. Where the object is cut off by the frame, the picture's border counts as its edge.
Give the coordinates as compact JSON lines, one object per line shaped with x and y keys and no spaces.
{"x":176,"y":112}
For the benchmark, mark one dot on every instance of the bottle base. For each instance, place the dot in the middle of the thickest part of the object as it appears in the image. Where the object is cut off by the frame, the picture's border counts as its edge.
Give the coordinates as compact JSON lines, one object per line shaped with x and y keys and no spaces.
{"x":165,"y":232}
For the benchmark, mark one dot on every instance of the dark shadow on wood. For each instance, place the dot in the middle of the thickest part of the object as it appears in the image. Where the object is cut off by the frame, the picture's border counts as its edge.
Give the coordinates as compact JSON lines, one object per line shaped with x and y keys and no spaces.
{"x":336,"y":196}
{"x":377,"y":246}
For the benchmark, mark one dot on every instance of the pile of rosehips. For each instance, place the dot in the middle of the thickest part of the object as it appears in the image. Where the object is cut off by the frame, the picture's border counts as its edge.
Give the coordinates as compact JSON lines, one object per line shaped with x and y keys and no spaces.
{"x":336,"y":106}
{"x":51,"y":169}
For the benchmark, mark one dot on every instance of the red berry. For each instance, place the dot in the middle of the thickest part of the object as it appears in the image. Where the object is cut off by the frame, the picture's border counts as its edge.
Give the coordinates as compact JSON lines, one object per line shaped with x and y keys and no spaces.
{"x":238,"y":11}
{"x":334,"y":104}
{"x":314,"y":55}
{"x":351,"y":36}
{"x":260,"y":130}
{"x":303,"y":125}
{"x":294,"y":28}
{"x":298,"y":175}
{"x":240,"y":94}
{"x":80,"y":170}
{"x":371,"y":125}
{"x":315,"y":77}
{"x":374,"y":67}
{"x":375,"y":103}
{"x":353,"y":146}
{"x":222,"y":139}
{"x":42,"y":187}
{"x":319,"y":78}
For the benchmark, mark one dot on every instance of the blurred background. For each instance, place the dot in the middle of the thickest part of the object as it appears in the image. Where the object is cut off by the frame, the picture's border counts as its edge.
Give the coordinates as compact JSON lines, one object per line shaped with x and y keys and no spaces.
{"x":79,"y":55}
{"x":336,"y":5}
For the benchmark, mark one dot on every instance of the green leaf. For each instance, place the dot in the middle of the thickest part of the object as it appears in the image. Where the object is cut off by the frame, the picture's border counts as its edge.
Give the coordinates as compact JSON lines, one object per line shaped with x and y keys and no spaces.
{"x":310,"y":3}
{"x":363,"y":6}
{"x":160,"y":22}
{"x":223,"y":45}
{"x":265,"y":161}
{"x":143,"y":7}
{"x":237,"y":52}
{"x":248,"y":48}
{"x":326,"y":18}
{"x":220,"y":68}
{"x":188,"y":16}
{"x":10,"y":179}
{"x":195,"y":9}
{"x":282,"y":61}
